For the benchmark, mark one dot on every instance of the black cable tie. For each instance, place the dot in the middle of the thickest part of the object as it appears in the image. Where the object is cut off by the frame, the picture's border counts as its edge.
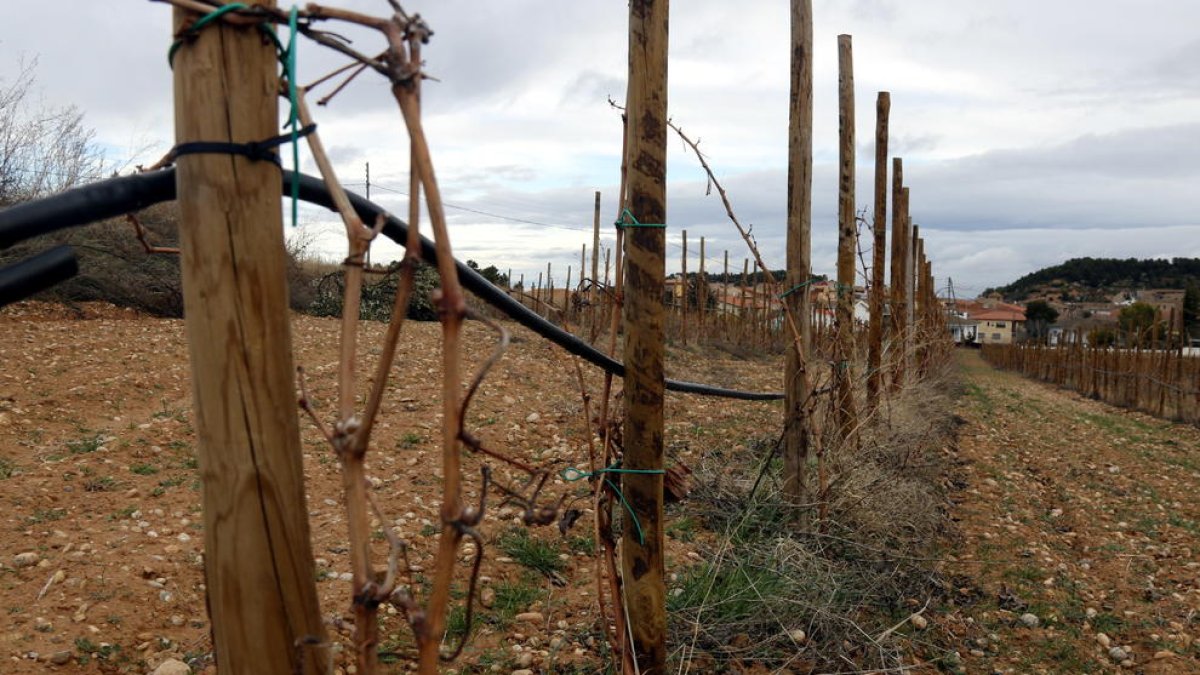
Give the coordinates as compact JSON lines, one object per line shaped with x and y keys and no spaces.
{"x":255,"y":150}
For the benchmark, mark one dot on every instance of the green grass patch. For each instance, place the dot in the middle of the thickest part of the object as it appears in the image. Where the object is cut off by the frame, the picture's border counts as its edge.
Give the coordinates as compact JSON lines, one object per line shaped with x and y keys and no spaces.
{"x":514,"y":597}
{"x":45,"y":516}
{"x":86,"y":444}
{"x":101,"y":484}
{"x":144,"y":469}
{"x":684,"y":528}
{"x":530,"y":552}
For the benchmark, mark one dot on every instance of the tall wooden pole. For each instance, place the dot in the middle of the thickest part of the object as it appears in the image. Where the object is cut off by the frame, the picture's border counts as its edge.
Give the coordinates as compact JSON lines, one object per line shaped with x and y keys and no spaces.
{"x":593,"y":297}
{"x":914,"y":236}
{"x":743,"y":312}
{"x":642,"y":562}
{"x":258,"y":563}
{"x":701,"y":292}
{"x":683,"y":301}
{"x":883,"y":106}
{"x":799,"y":251}
{"x":899,"y":341}
{"x":725,"y":298}
{"x":847,"y":245}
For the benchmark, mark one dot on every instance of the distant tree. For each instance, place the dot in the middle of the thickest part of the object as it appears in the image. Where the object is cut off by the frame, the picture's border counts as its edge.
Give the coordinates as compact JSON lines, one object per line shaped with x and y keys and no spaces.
{"x":1038,"y":317}
{"x":1102,"y":337}
{"x":491,"y":273}
{"x":1191,"y":310}
{"x":1137,"y":319}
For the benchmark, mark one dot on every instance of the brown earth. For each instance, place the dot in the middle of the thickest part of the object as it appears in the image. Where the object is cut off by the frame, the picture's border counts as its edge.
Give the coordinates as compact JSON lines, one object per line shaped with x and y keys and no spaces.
{"x":100,"y":544}
{"x":1082,"y":515}
{"x":1077,"y":513}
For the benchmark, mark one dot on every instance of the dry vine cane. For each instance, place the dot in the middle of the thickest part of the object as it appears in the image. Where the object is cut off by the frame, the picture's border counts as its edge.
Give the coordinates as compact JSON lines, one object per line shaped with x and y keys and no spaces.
{"x":405,"y":35}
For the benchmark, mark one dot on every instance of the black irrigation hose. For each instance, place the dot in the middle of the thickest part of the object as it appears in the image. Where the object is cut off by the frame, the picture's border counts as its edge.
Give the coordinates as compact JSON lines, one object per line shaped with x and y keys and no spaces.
{"x":36,"y":273}
{"x":117,"y":196}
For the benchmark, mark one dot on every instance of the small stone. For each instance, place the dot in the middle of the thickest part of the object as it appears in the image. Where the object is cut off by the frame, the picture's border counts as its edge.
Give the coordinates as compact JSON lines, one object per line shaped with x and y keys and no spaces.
{"x":1030,"y":620}
{"x":1164,"y":654}
{"x":1090,"y":612}
{"x":60,"y":658}
{"x":26,"y":559}
{"x":919,"y":622}
{"x":487,"y":597}
{"x":522,"y":671}
{"x":798,"y":636}
{"x":529,"y":617}
{"x":41,"y":625}
{"x":1117,"y":654}
{"x":1103,"y":640}
{"x":172,"y":667}
{"x":533,"y":417}
{"x":525,"y":659}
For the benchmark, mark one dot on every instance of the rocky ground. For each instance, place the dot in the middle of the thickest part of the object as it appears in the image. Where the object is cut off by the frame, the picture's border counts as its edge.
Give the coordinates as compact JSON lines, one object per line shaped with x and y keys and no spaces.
{"x":1081,"y":529}
{"x":1074,"y":549}
{"x":101,"y":532}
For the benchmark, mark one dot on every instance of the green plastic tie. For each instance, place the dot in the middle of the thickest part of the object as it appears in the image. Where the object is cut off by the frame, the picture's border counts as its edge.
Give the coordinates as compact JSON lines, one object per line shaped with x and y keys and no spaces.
{"x":289,"y":65}
{"x":627,"y":220}
{"x":287,"y":58}
{"x":201,"y":23}
{"x":571,"y":474}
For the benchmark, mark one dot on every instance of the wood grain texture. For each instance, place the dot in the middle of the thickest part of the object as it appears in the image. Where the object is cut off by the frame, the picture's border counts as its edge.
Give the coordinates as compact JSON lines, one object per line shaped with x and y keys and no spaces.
{"x":796,"y":381}
{"x":642,"y":562}
{"x":258,"y":562}
{"x":883,"y":107}
{"x":847,"y":415}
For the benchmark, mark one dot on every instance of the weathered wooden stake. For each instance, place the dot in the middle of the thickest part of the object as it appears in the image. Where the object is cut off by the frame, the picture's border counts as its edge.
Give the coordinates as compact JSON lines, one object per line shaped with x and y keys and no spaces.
{"x":796,"y":386}
{"x":701,"y":293}
{"x":683,"y":302}
{"x":593,"y":296}
{"x":883,"y":106}
{"x":899,"y":341}
{"x":642,"y":561}
{"x":258,"y":563}
{"x":843,"y":361}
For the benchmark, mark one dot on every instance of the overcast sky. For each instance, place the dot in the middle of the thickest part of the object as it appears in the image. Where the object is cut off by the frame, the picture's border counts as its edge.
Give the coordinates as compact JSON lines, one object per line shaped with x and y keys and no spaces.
{"x":1031,"y":131}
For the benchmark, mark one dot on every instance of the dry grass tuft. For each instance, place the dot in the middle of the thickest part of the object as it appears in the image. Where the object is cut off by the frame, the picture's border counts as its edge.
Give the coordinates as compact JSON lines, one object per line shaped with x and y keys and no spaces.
{"x":780,"y":590}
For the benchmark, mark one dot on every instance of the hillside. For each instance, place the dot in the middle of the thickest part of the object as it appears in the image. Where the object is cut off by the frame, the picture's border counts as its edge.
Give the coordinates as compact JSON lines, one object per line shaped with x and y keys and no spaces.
{"x":1087,"y":279}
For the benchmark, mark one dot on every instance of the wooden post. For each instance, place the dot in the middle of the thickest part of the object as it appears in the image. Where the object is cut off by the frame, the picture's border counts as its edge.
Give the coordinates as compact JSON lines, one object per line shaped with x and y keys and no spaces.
{"x":683,"y":301}
{"x":898,"y":342}
{"x":567,"y":295}
{"x":883,"y":106}
{"x":725,"y":298}
{"x":910,"y":302}
{"x":593,"y":297}
{"x":843,"y":361}
{"x":642,"y":560}
{"x":796,"y":386}
{"x":701,"y":294}
{"x":258,"y":563}
{"x":743,"y":313}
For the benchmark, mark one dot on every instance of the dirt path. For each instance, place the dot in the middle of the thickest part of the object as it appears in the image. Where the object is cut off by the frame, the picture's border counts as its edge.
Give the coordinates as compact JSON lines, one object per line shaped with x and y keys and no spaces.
{"x":1081,"y":517}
